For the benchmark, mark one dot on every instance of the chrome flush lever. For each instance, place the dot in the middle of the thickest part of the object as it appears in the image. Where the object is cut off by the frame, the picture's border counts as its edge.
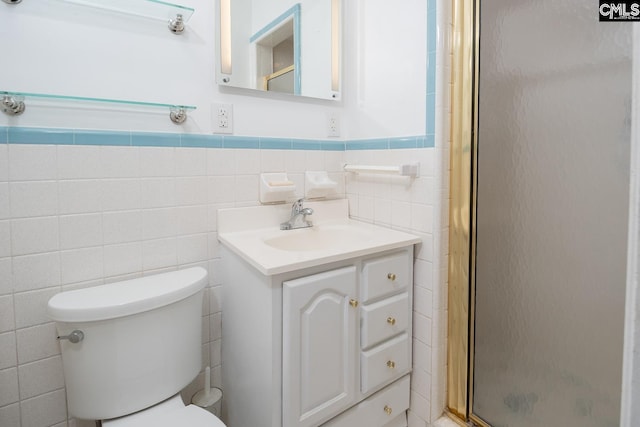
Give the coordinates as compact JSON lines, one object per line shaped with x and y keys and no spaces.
{"x":74,"y":337}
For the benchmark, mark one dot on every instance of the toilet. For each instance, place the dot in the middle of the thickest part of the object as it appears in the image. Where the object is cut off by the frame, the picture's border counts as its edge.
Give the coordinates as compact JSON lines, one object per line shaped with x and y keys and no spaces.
{"x":129,"y":348}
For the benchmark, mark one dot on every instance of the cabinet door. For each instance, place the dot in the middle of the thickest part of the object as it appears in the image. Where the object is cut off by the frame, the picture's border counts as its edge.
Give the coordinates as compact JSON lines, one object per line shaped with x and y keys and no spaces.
{"x":320,"y":346}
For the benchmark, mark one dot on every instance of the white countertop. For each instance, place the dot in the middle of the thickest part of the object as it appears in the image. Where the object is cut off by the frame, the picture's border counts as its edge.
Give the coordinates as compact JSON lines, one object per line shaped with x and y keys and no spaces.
{"x":254,"y":234}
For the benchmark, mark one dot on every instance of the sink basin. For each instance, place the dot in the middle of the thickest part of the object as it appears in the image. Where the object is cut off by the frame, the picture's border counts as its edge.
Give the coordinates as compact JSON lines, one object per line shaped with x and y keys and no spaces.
{"x":253,"y":233}
{"x":316,"y":238}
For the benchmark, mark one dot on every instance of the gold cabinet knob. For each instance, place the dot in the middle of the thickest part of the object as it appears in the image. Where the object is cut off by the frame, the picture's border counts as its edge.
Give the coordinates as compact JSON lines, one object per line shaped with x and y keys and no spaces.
{"x":391,"y":321}
{"x":391,"y":364}
{"x":353,"y":303}
{"x":391,"y":276}
{"x":388,"y":409}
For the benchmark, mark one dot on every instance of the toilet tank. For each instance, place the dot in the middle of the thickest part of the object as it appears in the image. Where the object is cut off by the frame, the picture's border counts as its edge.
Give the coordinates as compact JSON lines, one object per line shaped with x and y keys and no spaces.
{"x":142,"y":342}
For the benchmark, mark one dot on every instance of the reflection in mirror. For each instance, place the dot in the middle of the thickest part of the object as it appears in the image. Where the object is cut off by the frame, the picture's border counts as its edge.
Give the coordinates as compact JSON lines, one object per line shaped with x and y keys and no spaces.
{"x":287,"y":46}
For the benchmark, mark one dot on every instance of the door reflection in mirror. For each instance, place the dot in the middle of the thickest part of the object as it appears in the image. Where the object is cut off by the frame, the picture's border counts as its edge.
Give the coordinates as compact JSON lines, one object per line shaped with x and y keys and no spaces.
{"x":281,"y":46}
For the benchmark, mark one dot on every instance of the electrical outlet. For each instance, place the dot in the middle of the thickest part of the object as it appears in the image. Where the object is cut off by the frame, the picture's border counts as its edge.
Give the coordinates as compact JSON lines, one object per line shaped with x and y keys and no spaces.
{"x":333,"y":124}
{"x":222,"y":118}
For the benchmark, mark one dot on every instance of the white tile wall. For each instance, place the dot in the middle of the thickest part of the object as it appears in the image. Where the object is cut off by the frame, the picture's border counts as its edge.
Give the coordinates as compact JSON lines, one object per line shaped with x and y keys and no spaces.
{"x":74,"y":216}
{"x":4,"y":163}
{"x":36,"y":343}
{"x":79,"y":162}
{"x":9,"y":392}
{"x":10,"y":414}
{"x":7,"y":350}
{"x":80,"y":231}
{"x":141,"y":217}
{"x":32,"y":162}
{"x":157,"y":162}
{"x":4,"y":201}
{"x":7,"y":322}
{"x":30,"y":307}
{"x":6,"y":285}
{"x":120,"y":162}
{"x":81,"y":265}
{"x":40,"y":377}
{"x":34,"y":235}
{"x":33,"y":198}
{"x":5,"y":239}
{"x":80,"y":196}
{"x":44,"y":410}
{"x":34,"y":271}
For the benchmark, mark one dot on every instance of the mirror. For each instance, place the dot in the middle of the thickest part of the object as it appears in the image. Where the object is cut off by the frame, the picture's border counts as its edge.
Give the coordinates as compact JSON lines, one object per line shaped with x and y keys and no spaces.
{"x":285,"y":46}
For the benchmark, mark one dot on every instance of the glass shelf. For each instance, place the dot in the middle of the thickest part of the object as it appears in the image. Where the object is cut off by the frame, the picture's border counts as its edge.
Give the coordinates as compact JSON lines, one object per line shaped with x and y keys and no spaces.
{"x":174,"y":14}
{"x":13,"y":103}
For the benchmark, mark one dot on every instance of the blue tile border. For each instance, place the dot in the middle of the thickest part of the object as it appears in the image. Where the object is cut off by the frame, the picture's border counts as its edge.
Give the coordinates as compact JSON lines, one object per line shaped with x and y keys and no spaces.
{"x":151,"y":139}
{"x":90,"y":137}
{"x":429,"y":141}
{"x":306,"y":144}
{"x":20,"y":135}
{"x":333,"y":146}
{"x":275,"y":143}
{"x":409,"y":142}
{"x":386,"y":143}
{"x":240,"y":142}
{"x":430,"y":100}
{"x":52,"y":136}
{"x":368,"y":144}
{"x":201,"y":141}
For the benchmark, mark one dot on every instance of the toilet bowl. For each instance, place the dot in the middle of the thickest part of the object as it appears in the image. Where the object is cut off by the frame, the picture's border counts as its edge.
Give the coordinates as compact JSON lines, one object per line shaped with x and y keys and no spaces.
{"x":170,"y":413}
{"x":129,"y":348}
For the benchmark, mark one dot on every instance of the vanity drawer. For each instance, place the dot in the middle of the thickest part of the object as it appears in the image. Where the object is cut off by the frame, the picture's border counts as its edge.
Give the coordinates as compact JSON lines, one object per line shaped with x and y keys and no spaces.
{"x":386,"y":408}
{"x":384,"y":319}
{"x":385,"y":362}
{"x":385,"y":276}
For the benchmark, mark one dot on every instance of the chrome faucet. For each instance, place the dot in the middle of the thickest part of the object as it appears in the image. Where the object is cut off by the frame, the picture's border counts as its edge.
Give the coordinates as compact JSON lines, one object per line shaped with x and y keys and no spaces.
{"x":298,"y":217}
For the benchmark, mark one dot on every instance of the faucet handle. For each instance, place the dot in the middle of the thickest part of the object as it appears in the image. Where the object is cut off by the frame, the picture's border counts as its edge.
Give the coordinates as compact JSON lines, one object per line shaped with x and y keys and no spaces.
{"x":297,"y":206}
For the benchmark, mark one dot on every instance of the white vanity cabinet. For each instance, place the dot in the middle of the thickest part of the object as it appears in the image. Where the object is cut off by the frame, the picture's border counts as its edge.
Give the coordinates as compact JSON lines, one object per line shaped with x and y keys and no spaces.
{"x":328,"y":345}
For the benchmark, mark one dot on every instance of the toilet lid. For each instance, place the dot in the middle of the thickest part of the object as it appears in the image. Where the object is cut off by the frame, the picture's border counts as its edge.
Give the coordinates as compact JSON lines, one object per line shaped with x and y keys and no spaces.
{"x":171,"y":413}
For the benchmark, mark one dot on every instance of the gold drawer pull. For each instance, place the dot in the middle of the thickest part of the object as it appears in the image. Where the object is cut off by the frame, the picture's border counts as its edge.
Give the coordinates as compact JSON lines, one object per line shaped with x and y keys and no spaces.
{"x":391,"y":364}
{"x":391,"y":276}
{"x":391,"y":321}
{"x":353,"y":303}
{"x":388,"y":409}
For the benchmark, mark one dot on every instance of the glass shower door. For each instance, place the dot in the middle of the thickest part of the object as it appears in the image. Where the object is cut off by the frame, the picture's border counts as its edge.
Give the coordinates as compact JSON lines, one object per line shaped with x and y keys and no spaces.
{"x":552,"y":201}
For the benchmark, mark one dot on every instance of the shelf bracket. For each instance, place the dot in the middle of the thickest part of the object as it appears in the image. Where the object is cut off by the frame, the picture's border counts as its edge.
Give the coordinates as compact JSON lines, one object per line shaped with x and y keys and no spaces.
{"x":176,"y":26}
{"x":12,"y":105}
{"x":178,"y":115}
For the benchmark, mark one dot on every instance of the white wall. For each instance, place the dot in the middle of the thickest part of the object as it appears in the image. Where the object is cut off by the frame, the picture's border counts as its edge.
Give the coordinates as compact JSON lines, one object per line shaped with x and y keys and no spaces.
{"x":55,"y":47}
{"x":385,"y":69}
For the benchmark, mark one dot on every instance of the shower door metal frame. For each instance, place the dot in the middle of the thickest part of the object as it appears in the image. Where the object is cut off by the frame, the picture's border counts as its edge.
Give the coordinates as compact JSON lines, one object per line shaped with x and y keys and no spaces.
{"x":462,"y":213}
{"x":465,"y":60}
